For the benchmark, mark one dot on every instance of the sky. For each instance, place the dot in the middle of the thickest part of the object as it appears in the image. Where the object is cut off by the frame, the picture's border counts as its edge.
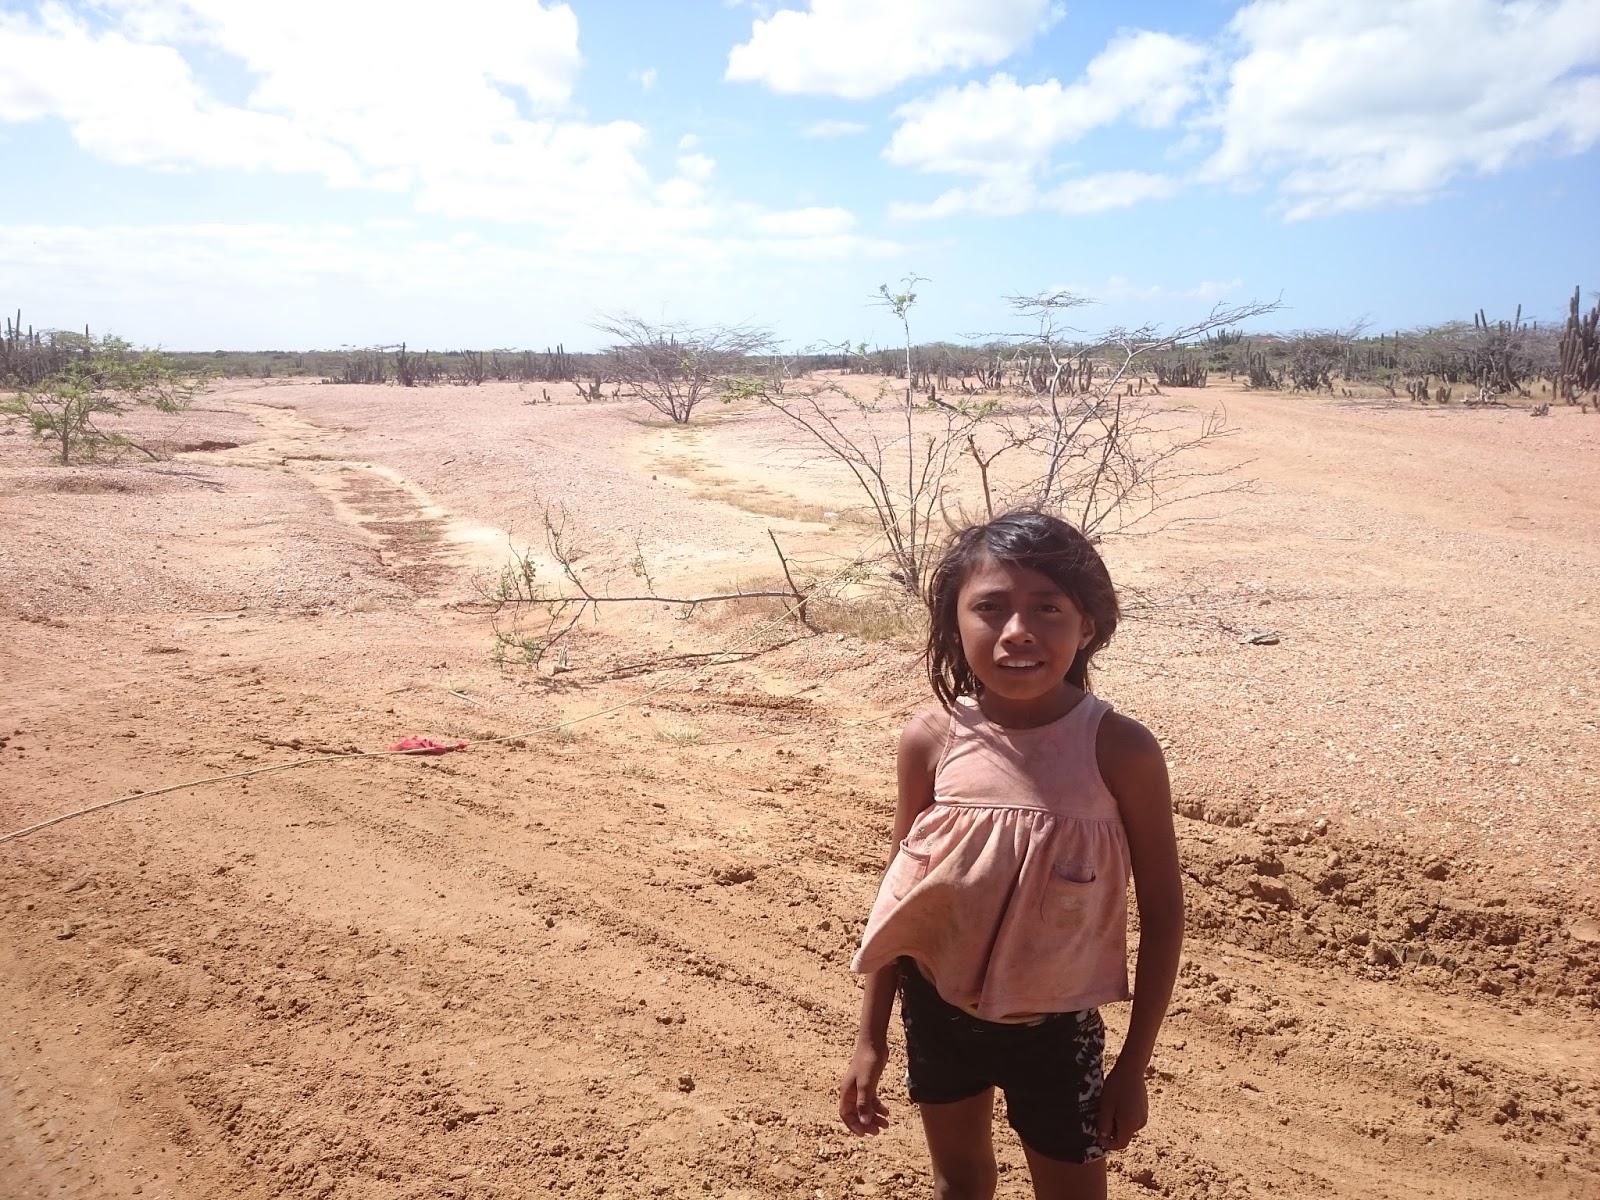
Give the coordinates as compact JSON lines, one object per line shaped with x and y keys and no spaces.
{"x":305,"y":174}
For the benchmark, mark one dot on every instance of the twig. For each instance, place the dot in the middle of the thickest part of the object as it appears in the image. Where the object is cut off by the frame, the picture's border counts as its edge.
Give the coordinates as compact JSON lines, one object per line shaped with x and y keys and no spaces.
{"x":800,"y":609}
{"x":308,"y":747}
{"x":983,"y":474}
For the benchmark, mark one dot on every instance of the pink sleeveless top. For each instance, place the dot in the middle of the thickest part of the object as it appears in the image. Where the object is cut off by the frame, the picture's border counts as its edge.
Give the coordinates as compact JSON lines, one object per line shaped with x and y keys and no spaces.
{"x":1010,"y":891}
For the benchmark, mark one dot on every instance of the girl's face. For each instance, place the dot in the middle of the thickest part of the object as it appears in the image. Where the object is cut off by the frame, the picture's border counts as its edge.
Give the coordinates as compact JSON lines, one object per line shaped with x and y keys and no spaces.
{"x":1020,"y":633}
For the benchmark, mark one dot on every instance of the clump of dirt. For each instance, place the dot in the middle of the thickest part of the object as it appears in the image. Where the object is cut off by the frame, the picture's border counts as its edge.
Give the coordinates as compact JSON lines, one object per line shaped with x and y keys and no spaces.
{"x":1312,"y":896}
{"x":91,"y":485}
{"x":204,"y":446}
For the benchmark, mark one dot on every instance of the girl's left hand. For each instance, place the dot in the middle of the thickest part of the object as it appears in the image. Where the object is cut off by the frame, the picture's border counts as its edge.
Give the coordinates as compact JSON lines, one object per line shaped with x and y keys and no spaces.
{"x":1124,"y":1108}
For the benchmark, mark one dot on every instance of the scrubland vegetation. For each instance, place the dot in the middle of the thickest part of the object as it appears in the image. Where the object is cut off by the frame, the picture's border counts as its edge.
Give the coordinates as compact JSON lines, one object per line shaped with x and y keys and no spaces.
{"x":1484,"y":359}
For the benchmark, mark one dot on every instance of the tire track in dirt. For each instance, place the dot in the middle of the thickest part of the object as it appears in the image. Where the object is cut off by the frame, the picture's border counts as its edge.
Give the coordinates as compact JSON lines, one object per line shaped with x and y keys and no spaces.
{"x":609,"y":964}
{"x":417,"y":540}
{"x":751,"y":986}
{"x":620,"y":853}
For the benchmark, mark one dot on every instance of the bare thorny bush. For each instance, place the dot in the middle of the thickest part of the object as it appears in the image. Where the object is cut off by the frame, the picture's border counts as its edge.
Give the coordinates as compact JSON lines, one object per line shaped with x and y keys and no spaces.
{"x":675,"y":366}
{"x":1101,"y":452}
{"x":538,"y":600}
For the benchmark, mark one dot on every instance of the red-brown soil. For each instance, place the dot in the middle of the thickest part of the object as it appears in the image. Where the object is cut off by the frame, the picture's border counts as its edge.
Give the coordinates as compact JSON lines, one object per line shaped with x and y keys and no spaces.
{"x":611,"y":960}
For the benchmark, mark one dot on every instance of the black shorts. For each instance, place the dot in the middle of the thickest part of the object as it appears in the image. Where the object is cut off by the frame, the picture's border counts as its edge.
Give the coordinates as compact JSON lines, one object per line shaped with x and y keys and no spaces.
{"x":1051,"y":1071}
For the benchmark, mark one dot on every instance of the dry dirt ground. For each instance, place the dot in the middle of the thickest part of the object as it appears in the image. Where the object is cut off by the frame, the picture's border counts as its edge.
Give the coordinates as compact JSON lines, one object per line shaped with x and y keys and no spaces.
{"x":611,"y":959}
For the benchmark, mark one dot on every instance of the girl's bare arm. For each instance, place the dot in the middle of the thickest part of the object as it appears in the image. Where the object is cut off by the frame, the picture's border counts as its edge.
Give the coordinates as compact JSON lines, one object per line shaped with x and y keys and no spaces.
{"x":921,"y":743}
{"x":1136,"y":772}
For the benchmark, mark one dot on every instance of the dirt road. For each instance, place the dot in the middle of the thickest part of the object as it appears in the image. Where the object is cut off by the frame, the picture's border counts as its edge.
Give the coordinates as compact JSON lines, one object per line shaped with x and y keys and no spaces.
{"x":610,"y":959}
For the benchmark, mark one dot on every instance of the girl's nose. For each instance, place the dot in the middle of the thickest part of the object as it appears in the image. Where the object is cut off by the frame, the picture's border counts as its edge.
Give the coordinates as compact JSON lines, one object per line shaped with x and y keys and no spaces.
{"x":1016,"y":629}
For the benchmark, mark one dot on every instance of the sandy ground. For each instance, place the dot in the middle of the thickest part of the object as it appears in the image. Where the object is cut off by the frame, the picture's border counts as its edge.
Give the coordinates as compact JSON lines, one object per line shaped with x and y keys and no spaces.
{"x":611,"y":959}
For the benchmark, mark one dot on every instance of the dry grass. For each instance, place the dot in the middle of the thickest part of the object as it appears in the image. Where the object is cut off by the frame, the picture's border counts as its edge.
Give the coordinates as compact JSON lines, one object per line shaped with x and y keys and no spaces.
{"x":876,"y":617}
{"x":81,"y":485}
{"x":758,"y":498}
{"x":680,"y":735}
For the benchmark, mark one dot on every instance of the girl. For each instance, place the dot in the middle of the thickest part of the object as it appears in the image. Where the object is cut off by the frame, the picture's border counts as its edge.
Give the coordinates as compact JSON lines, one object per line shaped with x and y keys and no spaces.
{"x":1025,"y":803}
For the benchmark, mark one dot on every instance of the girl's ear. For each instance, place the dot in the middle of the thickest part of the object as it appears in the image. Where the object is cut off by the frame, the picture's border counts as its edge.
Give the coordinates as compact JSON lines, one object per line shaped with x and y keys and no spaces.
{"x":1088,"y":632}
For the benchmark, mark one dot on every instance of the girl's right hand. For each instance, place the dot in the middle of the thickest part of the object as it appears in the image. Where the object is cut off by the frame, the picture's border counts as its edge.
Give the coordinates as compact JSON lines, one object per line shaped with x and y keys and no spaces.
{"x":859,"y":1107}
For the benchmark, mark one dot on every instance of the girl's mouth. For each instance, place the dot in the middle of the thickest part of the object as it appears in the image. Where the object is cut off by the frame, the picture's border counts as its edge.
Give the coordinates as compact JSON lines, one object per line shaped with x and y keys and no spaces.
{"x":1021,"y":664}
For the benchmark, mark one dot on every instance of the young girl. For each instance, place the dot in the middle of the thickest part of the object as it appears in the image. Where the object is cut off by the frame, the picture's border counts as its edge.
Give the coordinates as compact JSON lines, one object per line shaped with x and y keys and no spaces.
{"x":1025,"y":803}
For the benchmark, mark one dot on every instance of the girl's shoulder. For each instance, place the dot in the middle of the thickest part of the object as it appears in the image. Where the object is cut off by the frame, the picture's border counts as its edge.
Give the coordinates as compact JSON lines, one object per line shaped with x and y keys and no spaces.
{"x":1134,"y":769}
{"x":923,"y":738}
{"x":1123,"y":742}
{"x":927,"y":727}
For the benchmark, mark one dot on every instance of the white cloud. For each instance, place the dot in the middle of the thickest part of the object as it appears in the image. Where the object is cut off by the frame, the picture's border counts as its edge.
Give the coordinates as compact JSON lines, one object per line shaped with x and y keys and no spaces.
{"x":805,"y":222}
{"x":1001,"y":126}
{"x":1005,"y":196}
{"x":1107,"y":191}
{"x":1366,"y":103}
{"x":391,"y":95}
{"x":304,"y":285}
{"x":862,"y":48}
{"x":139,"y":105}
{"x":832,"y":129}
{"x":698,"y":167}
{"x":646,"y":79}
{"x":1005,"y":133}
{"x":346,"y":91}
{"x":1338,"y":104}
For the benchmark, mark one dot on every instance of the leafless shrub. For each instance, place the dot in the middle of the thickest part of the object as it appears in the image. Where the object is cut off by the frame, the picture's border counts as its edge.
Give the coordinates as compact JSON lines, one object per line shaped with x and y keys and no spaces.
{"x":1315,"y":354}
{"x":1109,"y":458}
{"x":29,"y":357}
{"x":534,"y":606}
{"x":672,"y":367}
{"x":902,"y":476}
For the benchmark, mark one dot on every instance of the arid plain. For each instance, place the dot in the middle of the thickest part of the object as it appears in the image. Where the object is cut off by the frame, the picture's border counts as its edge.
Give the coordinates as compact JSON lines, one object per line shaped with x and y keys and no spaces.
{"x":611,"y":959}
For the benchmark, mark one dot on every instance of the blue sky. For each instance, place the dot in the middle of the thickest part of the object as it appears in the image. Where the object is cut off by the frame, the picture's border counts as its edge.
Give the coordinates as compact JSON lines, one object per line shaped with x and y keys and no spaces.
{"x":313,"y":173}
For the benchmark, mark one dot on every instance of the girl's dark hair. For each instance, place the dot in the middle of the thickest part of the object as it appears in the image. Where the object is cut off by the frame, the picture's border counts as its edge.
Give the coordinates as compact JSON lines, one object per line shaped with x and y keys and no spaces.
{"x":1030,"y":539}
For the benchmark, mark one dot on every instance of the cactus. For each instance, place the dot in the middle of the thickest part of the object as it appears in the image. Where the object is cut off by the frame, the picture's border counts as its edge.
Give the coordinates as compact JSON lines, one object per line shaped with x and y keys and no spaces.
{"x":1579,"y":369}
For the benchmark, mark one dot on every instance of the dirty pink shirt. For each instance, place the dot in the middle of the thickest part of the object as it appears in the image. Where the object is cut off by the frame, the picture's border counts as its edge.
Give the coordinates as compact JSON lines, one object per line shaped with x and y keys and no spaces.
{"x":1011,"y":889}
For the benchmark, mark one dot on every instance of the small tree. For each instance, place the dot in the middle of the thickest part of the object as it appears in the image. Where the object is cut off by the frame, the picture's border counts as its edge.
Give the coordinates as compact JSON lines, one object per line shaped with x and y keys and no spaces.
{"x":102,"y":377}
{"x":672,"y":367}
{"x":904,"y":477}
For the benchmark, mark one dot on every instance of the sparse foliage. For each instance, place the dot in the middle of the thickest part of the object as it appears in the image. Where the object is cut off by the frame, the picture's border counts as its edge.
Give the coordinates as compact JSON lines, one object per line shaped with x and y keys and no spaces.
{"x":92,"y":380}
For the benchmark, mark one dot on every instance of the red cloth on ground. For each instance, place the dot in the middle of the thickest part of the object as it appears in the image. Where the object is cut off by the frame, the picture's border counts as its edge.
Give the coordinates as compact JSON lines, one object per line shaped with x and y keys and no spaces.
{"x":422,"y":745}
